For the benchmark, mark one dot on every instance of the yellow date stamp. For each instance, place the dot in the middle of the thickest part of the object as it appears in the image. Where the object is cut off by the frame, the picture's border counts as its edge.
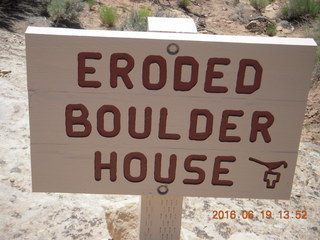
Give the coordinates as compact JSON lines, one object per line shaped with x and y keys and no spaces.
{"x":265,"y":214}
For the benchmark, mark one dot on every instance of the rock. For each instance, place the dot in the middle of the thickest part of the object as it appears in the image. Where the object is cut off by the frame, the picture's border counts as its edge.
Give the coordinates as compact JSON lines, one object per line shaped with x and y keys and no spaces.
{"x":261,"y":25}
{"x":243,"y":13}
{"x":269,"y":8}
{"x":270,"y":11}
{"x":287,"y":27}
{"x":256,"y":26}
{"x":232,"y":3}
{"x":287,"y":31}
{"x":123,"y":219}
{"x":279,"y":28}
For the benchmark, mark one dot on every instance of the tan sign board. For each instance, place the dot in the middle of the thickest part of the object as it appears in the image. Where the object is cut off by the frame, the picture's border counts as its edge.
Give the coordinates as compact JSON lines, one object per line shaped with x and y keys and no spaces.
{"x":177,"y":114}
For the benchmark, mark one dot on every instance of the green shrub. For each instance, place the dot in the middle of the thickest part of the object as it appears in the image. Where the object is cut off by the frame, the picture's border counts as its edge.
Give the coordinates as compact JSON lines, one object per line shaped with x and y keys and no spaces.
{"x":144,"y":13}
{"x":65,"y":12}
{"x":260,"y":4}
{"x":271,"y":29}
{"x":91,"y":3}
{"x":299,"y":9}
{"x":108,"y":15}
{"x":137,"y":20}
{"x":184,"y":3}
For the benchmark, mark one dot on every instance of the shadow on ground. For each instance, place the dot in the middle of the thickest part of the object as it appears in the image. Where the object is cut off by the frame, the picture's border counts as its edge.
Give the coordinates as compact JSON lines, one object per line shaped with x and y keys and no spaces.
{"x":12,"y":11}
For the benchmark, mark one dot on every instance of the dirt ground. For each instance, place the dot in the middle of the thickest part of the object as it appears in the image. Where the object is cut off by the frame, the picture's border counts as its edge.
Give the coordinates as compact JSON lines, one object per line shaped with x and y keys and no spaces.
{"x":311,"y":126}
{"x":227,"y":17}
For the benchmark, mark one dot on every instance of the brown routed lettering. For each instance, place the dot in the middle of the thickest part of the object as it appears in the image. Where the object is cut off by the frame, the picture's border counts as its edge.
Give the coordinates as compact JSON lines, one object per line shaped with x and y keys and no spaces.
{"x":217,"y":170}
{"x":127,"y":166}
{"x":248,"y":89}
{"x":83,"y":70}
{"x":179,"y":85}
{"x":171,"y":171}
{"x":116,"y":71}
{"x":147,"y":123}
{"x":210,"y":74}
{"x":81,"y":120}
{"x":201,"y":173}
{"x":225,"y":125}
{"x":116,"y":120}
{"x":193,"y":134}
{"x":162,"y":72}
{"x":112,"y":166}
{"x":256,"y":126}
{"x":163,"y":126}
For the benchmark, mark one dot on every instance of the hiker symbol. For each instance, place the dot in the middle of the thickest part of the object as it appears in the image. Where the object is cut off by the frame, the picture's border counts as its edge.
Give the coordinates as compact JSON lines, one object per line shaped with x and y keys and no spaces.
{"x":271,"y":166}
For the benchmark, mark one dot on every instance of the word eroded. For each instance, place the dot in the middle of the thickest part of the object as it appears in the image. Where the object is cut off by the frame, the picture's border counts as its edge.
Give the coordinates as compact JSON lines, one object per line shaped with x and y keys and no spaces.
{"x":117,"y":70}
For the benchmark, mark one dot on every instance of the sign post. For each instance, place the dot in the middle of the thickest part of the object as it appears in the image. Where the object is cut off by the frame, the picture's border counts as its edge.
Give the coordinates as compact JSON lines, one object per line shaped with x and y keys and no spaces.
{"x":168,"y":114}
{"x":160,"y":215}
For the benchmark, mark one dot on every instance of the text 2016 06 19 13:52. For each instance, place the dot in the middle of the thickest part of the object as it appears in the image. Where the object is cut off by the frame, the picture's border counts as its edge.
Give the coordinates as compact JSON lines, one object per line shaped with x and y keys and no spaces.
{"x":265,"y":214}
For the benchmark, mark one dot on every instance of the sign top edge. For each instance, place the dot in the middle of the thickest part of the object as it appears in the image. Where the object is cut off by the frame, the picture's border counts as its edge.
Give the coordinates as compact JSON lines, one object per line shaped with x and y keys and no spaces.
{"x":170,"y":36}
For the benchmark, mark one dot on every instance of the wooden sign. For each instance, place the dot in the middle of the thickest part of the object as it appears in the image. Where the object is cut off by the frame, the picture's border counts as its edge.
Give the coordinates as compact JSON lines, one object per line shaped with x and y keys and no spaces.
{"x":165,"y":113}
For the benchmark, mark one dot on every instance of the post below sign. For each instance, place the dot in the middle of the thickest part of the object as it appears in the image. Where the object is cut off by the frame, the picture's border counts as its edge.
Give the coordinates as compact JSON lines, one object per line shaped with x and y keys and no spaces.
{"x":165,"y":113}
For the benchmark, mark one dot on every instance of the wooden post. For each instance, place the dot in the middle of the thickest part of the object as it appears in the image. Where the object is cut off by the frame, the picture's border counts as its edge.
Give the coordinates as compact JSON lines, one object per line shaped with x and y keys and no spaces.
{"x":178,"y":25}
{"x":160,"y":216}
